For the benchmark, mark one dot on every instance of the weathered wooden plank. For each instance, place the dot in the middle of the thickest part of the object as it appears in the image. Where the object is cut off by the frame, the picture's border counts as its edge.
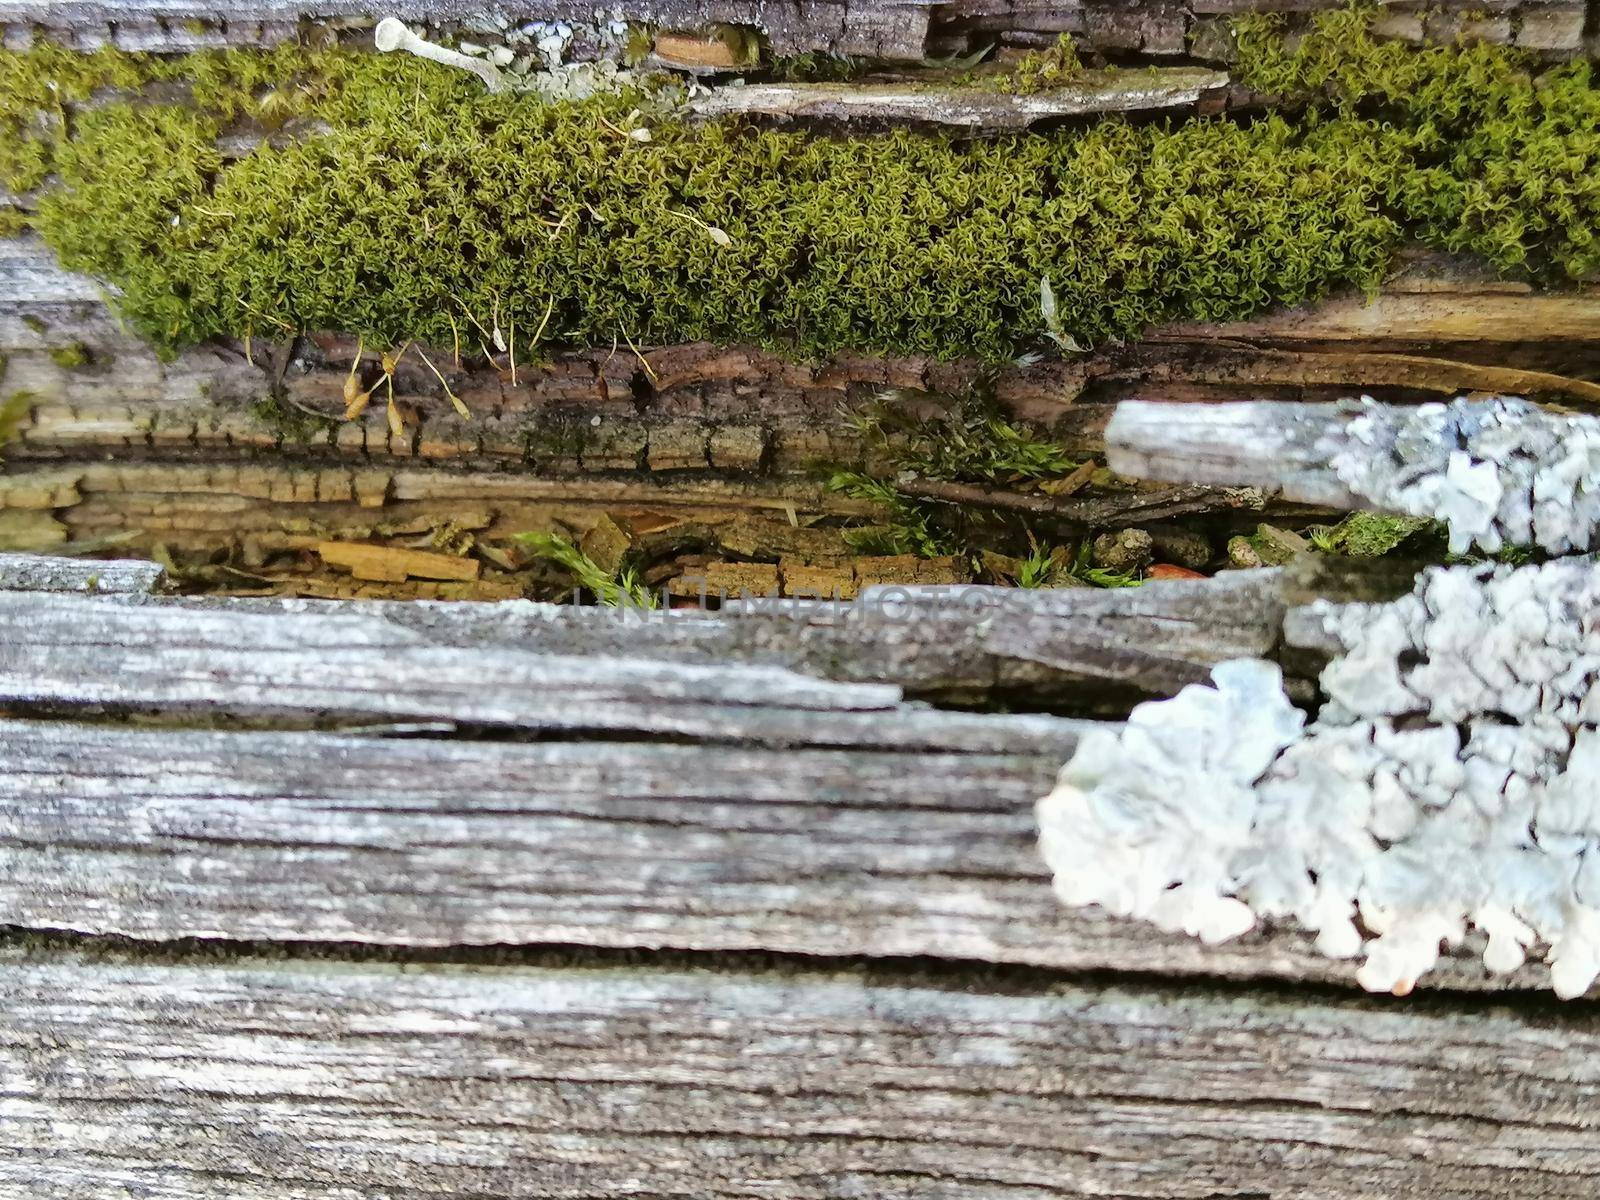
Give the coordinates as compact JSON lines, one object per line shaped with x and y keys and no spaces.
{"x":1262,"y":443}
{"x":925,"y":851}
{"x":870,"y":28}
{"x":1155,"y":638}
{"x":966,"y":108}
{"x":1446,"y":313}
{"x":44,"y":573}
{"x":324,"y":662}
{"x":1066,"y":646}
{"x":276,"y":1080}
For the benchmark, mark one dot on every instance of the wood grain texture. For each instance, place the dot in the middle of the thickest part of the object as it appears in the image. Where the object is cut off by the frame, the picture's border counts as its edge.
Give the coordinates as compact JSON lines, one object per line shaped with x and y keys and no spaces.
{"x":909,"y":30}
{"x":969,"y":109}
{"x":44,"y":573}
{"x":498,"y":663}
{"x":427,"y":841}
{"x":1262,"y":443}
{"x":264,"y":1080}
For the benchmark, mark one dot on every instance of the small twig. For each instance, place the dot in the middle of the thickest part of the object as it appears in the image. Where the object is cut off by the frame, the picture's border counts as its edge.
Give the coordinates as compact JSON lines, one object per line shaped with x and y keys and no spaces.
{"x":1188,"y":500}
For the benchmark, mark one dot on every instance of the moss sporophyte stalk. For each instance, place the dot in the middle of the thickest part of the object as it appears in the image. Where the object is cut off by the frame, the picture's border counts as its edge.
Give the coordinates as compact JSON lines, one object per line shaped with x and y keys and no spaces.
{"x":399,"y":202}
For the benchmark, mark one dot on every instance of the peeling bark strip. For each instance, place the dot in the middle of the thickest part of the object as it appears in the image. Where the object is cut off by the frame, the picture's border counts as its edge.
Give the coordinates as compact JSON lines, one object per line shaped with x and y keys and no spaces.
{"x":272,"y":1081}
{"x":965,"y":108}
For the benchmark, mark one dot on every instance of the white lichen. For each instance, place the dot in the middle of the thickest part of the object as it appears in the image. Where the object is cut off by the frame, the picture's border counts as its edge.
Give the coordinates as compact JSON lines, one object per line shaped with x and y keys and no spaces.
{"x":1451,"y":782}
{"x":526,"y":58}
{"x":1498,"y":472}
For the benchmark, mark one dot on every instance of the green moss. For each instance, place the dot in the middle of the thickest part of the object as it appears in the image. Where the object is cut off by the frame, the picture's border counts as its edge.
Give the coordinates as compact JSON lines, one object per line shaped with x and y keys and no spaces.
{"x":971,"y":443}
{"x":621,"y":590}
{"x":428,"y":203}
{"x":36,"y":89}
{"x":71,"y":356}
{"x":640,"y":41}
{"x":1497,"y":161}
{"x":1372,"y":535}
{"x":815,"y":68}
{"x":14,"y":411}
{"x":1040,"y":70}
{"x":13,"y":221}
{"x":289,"y":423}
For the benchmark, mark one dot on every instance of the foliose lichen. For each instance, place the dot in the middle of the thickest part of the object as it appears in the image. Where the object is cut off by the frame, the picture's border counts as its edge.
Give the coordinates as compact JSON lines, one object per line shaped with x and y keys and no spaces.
{"x":1497,"y":472}
{"x":1448,"y":784}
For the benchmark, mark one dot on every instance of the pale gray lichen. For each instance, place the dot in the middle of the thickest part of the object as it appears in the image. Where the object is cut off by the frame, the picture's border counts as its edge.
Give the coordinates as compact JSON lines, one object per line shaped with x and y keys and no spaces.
{"x":1498,"y":472}
{"x":510,"y":65}
{"x":1451,"y":782}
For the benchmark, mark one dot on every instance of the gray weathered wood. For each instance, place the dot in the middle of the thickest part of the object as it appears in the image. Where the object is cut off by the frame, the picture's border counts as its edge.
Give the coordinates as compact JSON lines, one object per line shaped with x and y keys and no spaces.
{"x":44,"y":573}
{"x":1066,"y":645}
{"x":1261,"y":443}
{"x":967,"y":108}
{"x":262,"y":1080}
{"x":160,"y":834}
{"x":1157,"y":637}
{"x":871,"y":28}
{"x":90,"y":651}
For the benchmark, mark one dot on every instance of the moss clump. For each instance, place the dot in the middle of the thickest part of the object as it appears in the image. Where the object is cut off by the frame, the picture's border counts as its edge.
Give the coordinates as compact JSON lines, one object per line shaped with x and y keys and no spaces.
{"x":815,"y":68}
{"x":14,"y":410}
{"x":1040,"y":70}
{"x":971,"y":443}
{"x":1498,"y":162}
{"x":290,"y":423}
{"x":622,"y":589}
{"x":1372,"y":535}
{"x":430,"y":207}
{"x":13,"y":222}
{"x":71,"y":356}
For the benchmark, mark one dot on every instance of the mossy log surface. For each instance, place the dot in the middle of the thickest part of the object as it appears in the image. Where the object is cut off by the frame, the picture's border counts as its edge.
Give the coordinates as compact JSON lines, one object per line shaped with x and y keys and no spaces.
{"x":228,"y":448}
{"x":313,"y":891}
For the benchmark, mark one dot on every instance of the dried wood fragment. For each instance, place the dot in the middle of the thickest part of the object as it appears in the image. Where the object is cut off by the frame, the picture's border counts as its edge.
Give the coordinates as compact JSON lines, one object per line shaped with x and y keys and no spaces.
{"x":386,"y":564}
{"x":694,"y":53}
{"x":1263,"y":444}
{"x":967,"y":108}
{"x":39,"y":573}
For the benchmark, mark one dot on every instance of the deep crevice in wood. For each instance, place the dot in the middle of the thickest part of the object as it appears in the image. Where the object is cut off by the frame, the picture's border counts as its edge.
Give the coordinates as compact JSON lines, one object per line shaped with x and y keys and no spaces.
{"x":21,"y":944}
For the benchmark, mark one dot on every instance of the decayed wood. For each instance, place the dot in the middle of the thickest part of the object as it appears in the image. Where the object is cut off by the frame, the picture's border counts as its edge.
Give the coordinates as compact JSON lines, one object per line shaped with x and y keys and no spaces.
{"x":1264,"y":444}
{"x":724,"y":442}
{"x":967,"y":108}
{"x":384,"y":563}
{"x":262,"y":1080}
{"x":868,"y":28}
